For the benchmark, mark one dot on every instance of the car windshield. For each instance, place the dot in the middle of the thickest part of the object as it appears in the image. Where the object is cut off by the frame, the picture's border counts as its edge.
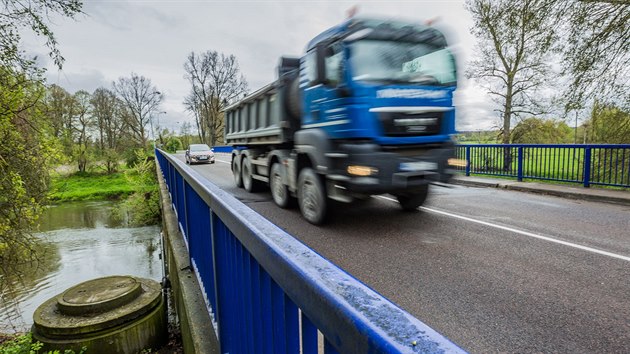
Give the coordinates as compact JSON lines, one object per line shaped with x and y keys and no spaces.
{"x":199,"y":147}
{"x":402,"y":62}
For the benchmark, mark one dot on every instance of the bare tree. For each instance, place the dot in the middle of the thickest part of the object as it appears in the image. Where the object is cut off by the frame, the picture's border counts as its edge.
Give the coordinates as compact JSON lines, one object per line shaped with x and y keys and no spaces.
{"x":185,"y":133}
{"x":215,"y":81}
{"x":109,"y":116}
{"x":106,"y":109}
{"x":142,"y":99}
{"x":57,"y":108}
{"x":516,"y":39}
{"x":83,"y":123}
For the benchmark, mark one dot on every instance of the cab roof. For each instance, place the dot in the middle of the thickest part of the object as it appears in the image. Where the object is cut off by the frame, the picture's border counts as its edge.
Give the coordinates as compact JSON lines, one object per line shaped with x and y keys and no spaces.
{"x":357,"y":23}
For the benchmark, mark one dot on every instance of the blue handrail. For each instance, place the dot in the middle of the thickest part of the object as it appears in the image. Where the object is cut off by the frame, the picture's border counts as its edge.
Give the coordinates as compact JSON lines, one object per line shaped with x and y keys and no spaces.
{"x":269,"y":293}
{"x":595,"y":164}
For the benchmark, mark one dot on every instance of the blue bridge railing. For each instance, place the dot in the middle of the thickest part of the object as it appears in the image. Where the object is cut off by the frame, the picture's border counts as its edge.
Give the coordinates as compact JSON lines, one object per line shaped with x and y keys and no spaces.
{"x":604,"y":165}
{"x":269,"y":293}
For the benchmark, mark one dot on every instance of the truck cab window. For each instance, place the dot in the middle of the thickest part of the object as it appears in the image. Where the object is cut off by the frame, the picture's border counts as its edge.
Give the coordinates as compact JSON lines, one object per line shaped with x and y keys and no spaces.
{"x":334,"y":56}
{"x":310,"y":67}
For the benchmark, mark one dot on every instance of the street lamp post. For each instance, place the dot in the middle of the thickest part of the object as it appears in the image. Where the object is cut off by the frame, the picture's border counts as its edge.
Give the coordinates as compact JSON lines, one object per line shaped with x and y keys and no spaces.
{"x":159,"y":127}
{"x":151,"y":121}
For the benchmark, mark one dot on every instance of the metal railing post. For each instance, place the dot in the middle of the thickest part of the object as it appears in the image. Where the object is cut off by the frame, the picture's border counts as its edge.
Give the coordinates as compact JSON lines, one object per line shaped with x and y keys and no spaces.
{"x":519,"y":164}
{"x":467,"y":160}
{"x":587,"y":167}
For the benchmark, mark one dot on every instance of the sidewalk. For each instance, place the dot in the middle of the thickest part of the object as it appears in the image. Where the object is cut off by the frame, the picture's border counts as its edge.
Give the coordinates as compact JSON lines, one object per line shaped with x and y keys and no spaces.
{"x":559,"y":190}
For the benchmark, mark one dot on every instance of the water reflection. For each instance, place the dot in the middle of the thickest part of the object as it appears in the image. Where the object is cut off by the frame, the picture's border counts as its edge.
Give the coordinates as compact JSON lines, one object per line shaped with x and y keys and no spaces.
{"x":79,"y":216}
{"x":80,"y":242}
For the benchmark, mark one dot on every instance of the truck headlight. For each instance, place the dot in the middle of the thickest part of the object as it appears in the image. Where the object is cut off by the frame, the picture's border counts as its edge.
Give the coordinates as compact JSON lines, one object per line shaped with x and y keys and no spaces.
{"x":362,"y":171}
{"x":457,"y":162}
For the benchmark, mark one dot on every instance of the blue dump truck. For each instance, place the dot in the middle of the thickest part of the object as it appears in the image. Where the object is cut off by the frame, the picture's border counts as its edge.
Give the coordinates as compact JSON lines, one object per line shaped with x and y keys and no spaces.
{"x":367,"y":110}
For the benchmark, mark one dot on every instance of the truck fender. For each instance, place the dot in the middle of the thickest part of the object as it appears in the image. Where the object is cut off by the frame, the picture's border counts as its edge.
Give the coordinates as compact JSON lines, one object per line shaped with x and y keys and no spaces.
{"x":314,"y":143}
{"x":279,"y":156}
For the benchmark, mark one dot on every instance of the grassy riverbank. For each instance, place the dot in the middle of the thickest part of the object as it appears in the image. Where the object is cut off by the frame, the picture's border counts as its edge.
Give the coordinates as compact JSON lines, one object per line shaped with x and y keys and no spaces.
{"x":90,"y":186}
{"x":136,"y":187}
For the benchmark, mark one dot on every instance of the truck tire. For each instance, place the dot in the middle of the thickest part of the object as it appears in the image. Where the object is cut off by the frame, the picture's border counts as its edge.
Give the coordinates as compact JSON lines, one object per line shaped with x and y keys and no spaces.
{"x":279,"y":191}
{"x":312,"y":197}
{"x":236,"y":171}
{"x":249,"y":183}
{"x":411,"y":202}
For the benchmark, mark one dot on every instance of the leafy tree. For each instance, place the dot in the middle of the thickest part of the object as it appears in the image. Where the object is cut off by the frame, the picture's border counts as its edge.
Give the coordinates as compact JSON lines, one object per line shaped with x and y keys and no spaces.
{"x":541,"y":131}
{"x":173,"y":144}
{"x":595,"y":51}
{"x":27,"y":148}
{"x":515,"y":44}
{"x":608,"y":124}
{"x":141,"y":99}
{"x":142,"y":207}
{"x":82,"y":125}
{"x":215,"y":81}
{"x":108,"y":113}
{"x":26,"y":152}
{"x":34,"y":15}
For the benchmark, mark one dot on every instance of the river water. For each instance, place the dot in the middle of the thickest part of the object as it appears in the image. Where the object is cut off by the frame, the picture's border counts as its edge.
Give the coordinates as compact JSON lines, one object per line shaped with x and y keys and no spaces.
{"x":81,"y":241}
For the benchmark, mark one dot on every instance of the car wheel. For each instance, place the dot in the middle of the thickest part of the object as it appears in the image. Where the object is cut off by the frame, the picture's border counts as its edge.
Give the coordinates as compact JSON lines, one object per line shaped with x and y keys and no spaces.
{"x":411,"y":202}
{"x":236,"y":171}
{"x":186,"y":158}
{"x":312,"y":197}
{"x":279,"y":191}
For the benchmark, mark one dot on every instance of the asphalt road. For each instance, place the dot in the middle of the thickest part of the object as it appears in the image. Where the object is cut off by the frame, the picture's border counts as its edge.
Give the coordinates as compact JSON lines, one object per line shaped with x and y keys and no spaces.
{"x":493,"y":270}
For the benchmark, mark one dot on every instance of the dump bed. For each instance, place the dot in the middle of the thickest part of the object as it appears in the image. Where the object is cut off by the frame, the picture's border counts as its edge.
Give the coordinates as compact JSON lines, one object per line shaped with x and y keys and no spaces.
{"x":262,"y":118}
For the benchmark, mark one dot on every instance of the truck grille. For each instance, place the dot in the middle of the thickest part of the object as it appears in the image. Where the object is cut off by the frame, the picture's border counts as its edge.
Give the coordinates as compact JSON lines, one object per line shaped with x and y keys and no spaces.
{"x":410,"y":124}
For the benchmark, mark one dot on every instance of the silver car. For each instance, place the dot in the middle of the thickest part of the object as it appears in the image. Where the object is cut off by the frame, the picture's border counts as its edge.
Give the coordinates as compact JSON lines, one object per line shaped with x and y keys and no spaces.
{"x":199,"y":153}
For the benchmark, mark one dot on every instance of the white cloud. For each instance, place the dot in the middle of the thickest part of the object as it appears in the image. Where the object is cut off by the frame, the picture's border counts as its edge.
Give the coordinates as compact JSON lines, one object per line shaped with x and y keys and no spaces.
{"x":153,"y":38}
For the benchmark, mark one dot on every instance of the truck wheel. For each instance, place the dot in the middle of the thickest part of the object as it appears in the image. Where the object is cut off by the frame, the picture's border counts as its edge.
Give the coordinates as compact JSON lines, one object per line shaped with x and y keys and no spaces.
{"x":312,"y":197}
{"x":279,"y":191}
{"x":411,"y":202}
{"x":249,"y":183}
{"x":236,"y":171}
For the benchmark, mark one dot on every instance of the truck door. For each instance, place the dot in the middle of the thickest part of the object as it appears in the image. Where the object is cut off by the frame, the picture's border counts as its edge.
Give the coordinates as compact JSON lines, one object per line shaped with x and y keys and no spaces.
{"x":323,"y":103}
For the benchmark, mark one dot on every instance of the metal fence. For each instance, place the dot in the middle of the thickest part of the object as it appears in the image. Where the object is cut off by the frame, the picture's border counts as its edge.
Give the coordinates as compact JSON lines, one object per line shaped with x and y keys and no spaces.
{"x":269,"y":293}
{"x":604,"y":165}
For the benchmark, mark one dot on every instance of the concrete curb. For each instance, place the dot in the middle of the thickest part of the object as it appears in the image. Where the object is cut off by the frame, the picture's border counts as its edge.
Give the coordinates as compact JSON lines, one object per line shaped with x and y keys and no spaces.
{"x":577,"y":193}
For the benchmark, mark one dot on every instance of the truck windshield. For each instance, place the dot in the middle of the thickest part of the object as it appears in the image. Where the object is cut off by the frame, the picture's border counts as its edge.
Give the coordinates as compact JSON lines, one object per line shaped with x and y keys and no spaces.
{"x":402,"y":62}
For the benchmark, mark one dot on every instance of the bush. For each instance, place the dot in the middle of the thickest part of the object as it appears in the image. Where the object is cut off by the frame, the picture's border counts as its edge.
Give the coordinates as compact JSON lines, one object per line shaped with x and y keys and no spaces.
{"x":24,"y":344}
{"x":143,"y":206}
{"x":173,"y":144}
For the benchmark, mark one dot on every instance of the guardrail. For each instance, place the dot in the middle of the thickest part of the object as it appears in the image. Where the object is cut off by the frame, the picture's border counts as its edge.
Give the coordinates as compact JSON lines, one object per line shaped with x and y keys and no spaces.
{"x":604,"y":165}
{"x":269,"y":293}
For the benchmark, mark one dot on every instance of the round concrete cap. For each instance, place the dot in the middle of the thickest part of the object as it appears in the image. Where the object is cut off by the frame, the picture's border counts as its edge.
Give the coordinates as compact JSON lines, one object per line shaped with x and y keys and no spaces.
{"x":97,"y":305}
{"x":99,"y":295}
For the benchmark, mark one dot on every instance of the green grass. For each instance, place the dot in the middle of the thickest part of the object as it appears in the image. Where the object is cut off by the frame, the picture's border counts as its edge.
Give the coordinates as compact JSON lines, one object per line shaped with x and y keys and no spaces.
{"x":90,"y":186}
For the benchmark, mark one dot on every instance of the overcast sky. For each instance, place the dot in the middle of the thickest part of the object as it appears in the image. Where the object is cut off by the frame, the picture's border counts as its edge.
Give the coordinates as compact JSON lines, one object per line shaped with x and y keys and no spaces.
{"x":153,"y":38}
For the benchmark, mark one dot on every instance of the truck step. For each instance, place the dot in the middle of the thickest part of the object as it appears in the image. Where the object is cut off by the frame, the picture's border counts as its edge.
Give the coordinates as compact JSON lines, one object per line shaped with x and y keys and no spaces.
{"x":261,"y":178}
{"x":336,"y":155}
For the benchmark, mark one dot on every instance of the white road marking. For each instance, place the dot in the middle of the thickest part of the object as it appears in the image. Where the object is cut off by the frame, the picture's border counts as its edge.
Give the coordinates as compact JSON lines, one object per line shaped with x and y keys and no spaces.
{"x":227,"y":162}
{"x":521,"y":232}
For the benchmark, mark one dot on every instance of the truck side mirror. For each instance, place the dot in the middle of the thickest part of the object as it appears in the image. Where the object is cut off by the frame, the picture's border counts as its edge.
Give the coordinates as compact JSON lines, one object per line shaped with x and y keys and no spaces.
{"x":320,"y":60}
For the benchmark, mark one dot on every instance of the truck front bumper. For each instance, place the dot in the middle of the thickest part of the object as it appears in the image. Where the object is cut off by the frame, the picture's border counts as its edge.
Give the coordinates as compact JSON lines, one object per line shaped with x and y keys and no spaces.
{"x":392,"y":172}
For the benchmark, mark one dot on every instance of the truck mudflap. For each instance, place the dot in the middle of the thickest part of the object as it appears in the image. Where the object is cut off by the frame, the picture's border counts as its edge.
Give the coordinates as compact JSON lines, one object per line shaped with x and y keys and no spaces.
{"x":391,"y":172}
